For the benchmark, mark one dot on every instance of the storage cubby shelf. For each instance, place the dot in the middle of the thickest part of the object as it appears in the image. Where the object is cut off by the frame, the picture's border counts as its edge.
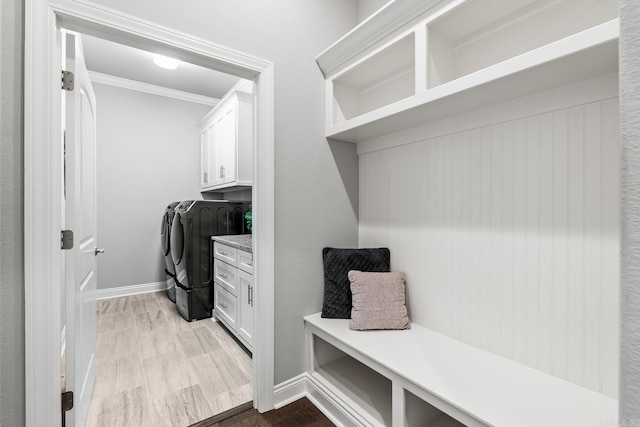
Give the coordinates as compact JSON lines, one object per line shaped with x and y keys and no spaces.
{"x":582,"y":56}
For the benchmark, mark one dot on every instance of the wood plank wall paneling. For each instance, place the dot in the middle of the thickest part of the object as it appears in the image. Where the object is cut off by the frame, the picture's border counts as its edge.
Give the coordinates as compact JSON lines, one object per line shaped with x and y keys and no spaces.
{"x":509,"y":236}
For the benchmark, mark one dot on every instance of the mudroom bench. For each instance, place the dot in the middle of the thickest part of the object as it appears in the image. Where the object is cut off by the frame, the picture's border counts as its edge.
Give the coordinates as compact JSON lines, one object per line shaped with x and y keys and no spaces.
{"x":418,"y":377}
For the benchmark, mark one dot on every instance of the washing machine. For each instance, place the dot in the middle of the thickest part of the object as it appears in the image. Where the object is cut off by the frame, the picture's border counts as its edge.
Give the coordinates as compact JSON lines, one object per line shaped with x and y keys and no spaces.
{"x":165,"y":241}
{"x":194,"y":222}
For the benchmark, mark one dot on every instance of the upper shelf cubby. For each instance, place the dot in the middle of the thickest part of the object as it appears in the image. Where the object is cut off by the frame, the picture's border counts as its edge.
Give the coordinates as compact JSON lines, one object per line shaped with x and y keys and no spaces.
{"x":381,"y":79}
{"x":469,"y":37}
{"x":416,"y":62}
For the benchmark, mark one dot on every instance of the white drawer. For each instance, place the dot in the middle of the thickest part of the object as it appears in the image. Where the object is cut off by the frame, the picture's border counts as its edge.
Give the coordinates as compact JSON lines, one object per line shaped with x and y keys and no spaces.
{"x":225,"y":253}
{"x":226,"y":276}
{"x":245,"y":261}
{"x":226,"y":307}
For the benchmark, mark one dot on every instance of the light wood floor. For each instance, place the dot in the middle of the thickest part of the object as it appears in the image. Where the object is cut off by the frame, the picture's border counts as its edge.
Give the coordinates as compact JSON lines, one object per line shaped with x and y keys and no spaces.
{"x":155,"y":369}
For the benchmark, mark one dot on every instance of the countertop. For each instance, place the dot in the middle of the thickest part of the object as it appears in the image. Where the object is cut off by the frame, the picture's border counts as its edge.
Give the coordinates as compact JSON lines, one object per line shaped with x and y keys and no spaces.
{"x":239,"y":241}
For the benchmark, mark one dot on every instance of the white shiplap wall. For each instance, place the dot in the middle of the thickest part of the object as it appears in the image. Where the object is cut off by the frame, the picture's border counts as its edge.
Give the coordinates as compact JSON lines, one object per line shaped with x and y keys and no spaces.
{"x":509,"y":233}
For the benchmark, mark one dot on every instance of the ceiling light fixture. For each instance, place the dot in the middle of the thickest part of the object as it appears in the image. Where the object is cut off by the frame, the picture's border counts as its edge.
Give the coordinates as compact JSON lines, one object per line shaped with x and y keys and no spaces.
{"x":165,"y":62}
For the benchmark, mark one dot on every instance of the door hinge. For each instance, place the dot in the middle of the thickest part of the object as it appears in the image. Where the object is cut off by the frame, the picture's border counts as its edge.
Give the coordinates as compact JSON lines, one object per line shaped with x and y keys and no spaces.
{"x":67,"y":80}
{"x":66,"y":239}
{"x":67,"y":401}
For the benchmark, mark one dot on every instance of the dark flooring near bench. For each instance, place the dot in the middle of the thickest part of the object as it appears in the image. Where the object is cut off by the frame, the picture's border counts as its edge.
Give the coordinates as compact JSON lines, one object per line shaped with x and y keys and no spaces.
{"x":299,"y":413}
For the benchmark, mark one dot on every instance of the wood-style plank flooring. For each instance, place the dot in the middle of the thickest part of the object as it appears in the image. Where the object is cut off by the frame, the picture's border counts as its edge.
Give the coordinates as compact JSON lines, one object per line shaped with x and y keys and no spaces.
{"x":301,"y":413}
{"x":156,"y":369}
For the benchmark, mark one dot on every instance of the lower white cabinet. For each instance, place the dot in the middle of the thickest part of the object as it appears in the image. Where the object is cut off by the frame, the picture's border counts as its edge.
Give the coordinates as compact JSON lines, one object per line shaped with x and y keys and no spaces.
{"x":234,"y":291}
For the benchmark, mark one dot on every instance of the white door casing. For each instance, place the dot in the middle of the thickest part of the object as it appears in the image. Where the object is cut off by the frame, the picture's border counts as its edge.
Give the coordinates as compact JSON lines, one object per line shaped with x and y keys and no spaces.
{"x":80,"y":217}
{"x":43,"y":186}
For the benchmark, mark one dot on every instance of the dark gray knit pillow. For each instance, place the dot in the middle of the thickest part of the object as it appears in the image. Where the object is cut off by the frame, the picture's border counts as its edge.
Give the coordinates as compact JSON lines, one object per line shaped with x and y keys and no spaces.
{"x":337,"y":264}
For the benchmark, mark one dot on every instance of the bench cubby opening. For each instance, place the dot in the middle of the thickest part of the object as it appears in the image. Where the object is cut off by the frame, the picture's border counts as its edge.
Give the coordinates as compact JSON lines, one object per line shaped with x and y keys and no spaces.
{"x":367,"y":389}
{"x":420,"y":413}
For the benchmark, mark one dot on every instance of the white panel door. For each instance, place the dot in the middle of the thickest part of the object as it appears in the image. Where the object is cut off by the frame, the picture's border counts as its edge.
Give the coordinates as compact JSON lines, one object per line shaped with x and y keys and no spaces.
{"x":80,"y":217}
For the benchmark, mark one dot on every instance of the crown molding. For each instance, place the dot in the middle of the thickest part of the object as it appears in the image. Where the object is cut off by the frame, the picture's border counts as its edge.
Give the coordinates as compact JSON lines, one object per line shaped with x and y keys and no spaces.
{"x":108,"y":79}
{"x":395,"y":17}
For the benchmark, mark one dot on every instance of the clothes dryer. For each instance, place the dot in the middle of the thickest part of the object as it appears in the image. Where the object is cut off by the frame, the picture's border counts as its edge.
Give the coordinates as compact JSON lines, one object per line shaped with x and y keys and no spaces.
{"x":194,"y":222}
{"x":165,"y":242}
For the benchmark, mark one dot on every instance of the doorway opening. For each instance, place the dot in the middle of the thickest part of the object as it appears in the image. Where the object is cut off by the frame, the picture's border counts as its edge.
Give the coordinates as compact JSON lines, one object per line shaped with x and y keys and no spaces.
{"x":153,"y":127}
{"x":43,"y":188}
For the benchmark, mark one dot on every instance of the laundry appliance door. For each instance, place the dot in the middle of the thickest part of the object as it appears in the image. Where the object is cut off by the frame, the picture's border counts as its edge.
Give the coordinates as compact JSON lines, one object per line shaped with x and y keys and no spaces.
{"x":165,"y":236}
{"x":178,"y":247}
{"x":165,"y":240}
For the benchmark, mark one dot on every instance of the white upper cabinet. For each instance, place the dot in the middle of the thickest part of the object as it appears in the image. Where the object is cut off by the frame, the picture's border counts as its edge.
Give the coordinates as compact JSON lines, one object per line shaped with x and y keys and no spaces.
{"x":227,"y":144}
{"x":415,"y":62}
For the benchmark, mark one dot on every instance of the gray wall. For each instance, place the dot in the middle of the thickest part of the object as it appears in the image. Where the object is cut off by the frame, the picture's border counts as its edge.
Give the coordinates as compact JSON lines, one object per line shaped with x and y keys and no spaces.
{"x":148,"y":155}
{"x":630,"y":135}
{"x":11,"y":222}
{"x":367,"y":7}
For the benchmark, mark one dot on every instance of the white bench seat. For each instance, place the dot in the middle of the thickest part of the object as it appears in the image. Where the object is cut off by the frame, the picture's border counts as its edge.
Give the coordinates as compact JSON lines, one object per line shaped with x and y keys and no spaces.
{"x":476,"y":387}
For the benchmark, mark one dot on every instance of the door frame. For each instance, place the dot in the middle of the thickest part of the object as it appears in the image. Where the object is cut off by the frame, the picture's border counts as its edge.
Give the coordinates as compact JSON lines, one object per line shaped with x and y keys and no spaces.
{"x":43,"y":186}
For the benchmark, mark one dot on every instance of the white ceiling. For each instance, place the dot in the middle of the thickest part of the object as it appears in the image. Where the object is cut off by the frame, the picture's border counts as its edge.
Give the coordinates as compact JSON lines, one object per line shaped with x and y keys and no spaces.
{"x":118,"y":60}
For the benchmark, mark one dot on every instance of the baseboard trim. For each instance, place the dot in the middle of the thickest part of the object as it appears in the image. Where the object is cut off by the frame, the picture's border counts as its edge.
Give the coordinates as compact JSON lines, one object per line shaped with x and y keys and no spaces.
{"x":224,"y":415}
{"x":290,"y":391}
{"x":124,"y":291}
{"x":338,"y":410}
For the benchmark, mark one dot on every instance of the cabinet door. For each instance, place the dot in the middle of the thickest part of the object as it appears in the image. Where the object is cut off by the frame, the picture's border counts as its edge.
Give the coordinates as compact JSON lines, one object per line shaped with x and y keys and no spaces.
{"x":205,"y":168}
{"x":215,"y":151}
{"x":224,"y":156}
{"x":245,"y":302}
